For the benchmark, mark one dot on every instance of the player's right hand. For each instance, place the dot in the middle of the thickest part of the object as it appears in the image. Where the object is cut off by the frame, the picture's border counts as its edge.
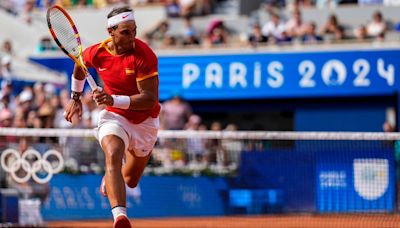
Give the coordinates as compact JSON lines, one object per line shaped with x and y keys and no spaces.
{"x":73,"y":108}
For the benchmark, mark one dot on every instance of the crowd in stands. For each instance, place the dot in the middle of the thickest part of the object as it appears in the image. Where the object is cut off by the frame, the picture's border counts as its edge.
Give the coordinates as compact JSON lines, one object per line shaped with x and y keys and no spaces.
{"x":275,"y":31}
{"x":276,"y":28}
{"x":42,"y":105}
{"x":174,"y":8}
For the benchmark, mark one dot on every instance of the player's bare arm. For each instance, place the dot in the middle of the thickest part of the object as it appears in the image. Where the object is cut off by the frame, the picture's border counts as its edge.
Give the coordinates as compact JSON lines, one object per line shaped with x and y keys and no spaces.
{"x":74,"y":106}
{"x":146,"y":99}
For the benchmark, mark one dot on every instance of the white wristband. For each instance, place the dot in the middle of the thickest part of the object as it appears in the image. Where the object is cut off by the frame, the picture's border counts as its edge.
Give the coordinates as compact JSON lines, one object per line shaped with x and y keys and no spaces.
{"x":121,"y":101}
{"x":77,"y":85}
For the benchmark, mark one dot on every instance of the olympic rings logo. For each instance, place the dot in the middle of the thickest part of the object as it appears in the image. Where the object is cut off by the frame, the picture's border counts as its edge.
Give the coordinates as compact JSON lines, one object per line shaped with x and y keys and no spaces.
{"x":32,"y":169}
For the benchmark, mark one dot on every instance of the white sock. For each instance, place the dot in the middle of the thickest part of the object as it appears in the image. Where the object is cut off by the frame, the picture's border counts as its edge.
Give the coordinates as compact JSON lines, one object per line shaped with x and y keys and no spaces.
{"x":118,"y":211}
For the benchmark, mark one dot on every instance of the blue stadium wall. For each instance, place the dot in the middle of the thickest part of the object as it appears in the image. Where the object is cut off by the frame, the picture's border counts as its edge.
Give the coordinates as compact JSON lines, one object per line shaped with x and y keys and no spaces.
{"x":345,"y":90}
{"x":371,"y":76}
{"x":303,"y":179}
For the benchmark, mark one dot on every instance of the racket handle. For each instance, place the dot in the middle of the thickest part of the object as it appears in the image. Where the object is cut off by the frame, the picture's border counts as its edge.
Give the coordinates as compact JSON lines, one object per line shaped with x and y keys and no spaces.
{"x":92,"y":83}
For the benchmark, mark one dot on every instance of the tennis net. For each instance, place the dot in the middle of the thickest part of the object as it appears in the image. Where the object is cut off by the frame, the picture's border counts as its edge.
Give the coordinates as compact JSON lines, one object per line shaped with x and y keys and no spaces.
{"x":343,"y":175}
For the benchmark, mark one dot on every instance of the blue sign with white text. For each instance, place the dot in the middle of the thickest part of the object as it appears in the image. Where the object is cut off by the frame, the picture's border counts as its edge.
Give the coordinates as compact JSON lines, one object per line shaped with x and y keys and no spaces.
{"x":280,"y":75}
{"x":272,"y":75}
{"x":74,"y":197}
{"x":359,"y":182}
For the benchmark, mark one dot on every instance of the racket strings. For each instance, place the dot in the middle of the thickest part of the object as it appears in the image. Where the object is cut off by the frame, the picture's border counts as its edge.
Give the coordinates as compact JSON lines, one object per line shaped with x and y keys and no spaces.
{"x":64,"y":32}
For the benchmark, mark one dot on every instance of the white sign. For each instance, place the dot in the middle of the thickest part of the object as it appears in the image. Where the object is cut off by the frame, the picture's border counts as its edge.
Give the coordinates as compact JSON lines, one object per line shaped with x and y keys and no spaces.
{"x":371,"y":177}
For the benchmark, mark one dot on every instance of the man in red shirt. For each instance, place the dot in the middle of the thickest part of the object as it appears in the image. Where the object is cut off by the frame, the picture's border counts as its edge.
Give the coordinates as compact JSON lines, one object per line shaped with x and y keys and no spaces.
{"x":127,"y":128}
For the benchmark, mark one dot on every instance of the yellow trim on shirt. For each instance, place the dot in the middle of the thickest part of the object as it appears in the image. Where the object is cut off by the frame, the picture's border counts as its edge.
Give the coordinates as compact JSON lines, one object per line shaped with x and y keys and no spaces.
{"x":147,"y":76}
{"x":129,"y":71}
{"x":105,"y":46}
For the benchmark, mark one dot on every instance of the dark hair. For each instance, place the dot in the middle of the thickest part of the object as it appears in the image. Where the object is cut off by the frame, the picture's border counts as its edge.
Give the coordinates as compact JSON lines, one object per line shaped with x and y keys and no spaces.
{"x":117,"y":11}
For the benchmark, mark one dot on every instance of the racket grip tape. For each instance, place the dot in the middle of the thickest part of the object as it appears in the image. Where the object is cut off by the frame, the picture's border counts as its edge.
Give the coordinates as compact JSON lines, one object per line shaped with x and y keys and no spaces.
{"x":92,"y":83}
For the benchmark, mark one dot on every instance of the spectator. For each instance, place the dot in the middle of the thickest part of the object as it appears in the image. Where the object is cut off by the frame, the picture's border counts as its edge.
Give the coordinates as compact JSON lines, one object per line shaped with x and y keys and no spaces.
{"x":168,"y":41}
{"x":361,"y":33}
{"x":188,"y":26}
{"x":11,"y":6}
{"x":81,"y":3}
{"x":19,"y":119}
{"x":195,"y":7}
{"x":20,"y":122}
{"x":7,"y":96}
{"x":190,"y":39}
{"x":187,"y":7}
{"x":370,"y":2}
{"x":7,"y":47}
{"x":189,"y":33}
{"x":173,"y":8}
{"x":387,"y":127}
{"x":158,"y":34}
{"x":5,"y":67}
{"x":256,"y":37}
{"x":90,"y":108}
{"x":295,"y":26}
{"x":99,"y":4}
{"x":44,"y":4}
{"x":195,"y":146}
{"x":46,"y":45}
{"x":46,"y":114}
{"x":310,"y":35}
{"x":175,"y":113}
{"x":340,"y":34}
{"x":327,"y":3}
{"x":4,"y":101}
{"x":38,"y":88}
{"x":377,"y":26}
{"x":232,"y":147}
{"x":59,"y":119}
{"x":6,"y":120}
{"x":274,"y":28}
{"x":331,"y":27}
{"x":26,"y":14}
{"x":285,"y":39}
{"x":271,"y":6}
{"x":293,"y":5}
{"x":39,"y":100}
{"x":217,"y":33}
{"x":216,"y":152}
{"x":55,"y":103}
{"x":33,"y":120}
{"x":25,"y":100}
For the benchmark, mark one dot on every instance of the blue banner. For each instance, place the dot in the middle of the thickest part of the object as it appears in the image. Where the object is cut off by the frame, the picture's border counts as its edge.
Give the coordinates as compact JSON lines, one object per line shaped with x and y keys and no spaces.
{"x":277,"y":75}
{"x":74,"y":197}
{"x":273,"y":75}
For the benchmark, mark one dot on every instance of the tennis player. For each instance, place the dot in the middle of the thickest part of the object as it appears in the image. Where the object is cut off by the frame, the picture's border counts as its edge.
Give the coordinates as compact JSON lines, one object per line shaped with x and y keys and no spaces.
{"x":127,"y":128}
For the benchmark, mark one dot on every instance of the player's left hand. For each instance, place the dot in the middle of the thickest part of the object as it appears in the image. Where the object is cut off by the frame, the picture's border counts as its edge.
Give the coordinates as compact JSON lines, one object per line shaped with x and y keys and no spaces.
{"x":102,"y":98}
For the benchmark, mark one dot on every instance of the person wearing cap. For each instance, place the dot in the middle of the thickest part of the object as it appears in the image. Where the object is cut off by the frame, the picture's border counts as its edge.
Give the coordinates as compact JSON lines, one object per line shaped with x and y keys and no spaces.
{"x":6,"y":120}
{"x":128,"y":126}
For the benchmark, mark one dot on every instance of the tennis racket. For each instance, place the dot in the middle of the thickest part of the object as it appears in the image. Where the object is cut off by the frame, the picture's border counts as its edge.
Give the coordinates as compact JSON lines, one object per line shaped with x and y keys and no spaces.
{"x":65,"y":34}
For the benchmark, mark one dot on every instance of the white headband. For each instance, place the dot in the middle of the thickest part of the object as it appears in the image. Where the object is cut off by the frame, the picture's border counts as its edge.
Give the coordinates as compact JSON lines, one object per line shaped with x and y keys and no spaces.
{"x":119,"y":18}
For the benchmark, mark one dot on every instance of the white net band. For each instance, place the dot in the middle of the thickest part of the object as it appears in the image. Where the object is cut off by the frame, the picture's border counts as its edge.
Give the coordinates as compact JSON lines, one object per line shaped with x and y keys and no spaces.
{"x":255,"y":135}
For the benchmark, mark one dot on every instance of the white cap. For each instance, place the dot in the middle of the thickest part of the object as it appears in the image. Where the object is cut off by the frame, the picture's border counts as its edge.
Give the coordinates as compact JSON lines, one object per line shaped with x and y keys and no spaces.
{"x":50,"y":88}
{"x":25,"y":96}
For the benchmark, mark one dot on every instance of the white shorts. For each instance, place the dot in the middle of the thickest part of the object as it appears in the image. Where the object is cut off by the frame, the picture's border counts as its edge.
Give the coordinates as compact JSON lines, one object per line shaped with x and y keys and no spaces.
{"x":139,"y":138}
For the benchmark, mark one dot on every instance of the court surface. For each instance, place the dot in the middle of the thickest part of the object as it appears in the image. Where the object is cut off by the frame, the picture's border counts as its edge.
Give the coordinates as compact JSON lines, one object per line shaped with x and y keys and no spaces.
{"x":284,"y":221}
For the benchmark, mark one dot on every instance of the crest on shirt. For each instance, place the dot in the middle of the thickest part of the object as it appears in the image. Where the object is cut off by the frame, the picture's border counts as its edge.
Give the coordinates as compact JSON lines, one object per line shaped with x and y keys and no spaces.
{"x":129,"y":71}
